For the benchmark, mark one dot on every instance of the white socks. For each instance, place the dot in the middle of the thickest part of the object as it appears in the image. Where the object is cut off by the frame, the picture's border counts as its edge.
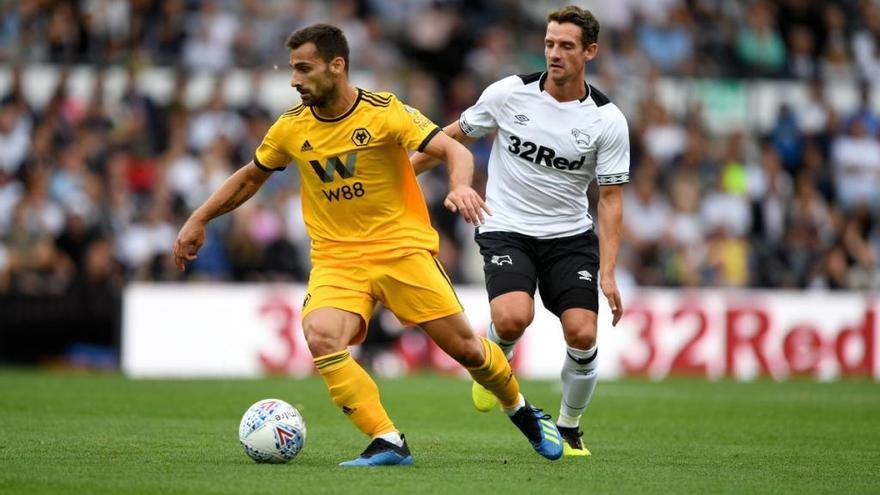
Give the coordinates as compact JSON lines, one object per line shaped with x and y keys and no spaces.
{"x":579,"y":373}
{"x":392,"y":437}
{"x":514,"y":409}
{"x":578,"y":379}
{"x":505,"y":345}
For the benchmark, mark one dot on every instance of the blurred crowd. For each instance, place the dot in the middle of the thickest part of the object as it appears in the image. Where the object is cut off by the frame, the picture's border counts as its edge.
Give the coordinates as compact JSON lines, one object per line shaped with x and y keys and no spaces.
{"x":92,"y":191}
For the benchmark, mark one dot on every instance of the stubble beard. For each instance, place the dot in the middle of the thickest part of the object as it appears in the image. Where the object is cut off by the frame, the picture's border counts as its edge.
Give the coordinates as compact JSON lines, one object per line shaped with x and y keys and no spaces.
{"x":322,"y":97}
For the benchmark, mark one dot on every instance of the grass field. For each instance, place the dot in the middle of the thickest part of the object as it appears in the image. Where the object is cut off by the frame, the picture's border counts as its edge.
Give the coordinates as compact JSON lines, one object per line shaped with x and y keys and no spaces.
{"x":109,"y":435}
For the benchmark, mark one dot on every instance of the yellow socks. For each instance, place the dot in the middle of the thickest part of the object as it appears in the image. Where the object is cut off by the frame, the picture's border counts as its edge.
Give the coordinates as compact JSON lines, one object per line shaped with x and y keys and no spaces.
{"x":495,"y":374}
{"x":352,"y":389}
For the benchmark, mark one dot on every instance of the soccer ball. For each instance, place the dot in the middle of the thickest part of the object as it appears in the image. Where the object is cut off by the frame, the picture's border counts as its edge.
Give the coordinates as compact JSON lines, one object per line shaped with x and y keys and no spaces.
{"x":272,"y":431}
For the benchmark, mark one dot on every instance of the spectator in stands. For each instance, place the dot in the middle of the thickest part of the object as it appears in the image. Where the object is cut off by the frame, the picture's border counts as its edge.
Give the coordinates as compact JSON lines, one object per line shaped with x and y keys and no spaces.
{"x":812,"y":114}
{"x":866,"y":42}
{"x":208,"y":45}
{"x":646,"y":217}
{"x":15,"y":133}
{"x":669,"y":43}
{"x":801,"y":62}
{"x":787,"y":138}
{"x":835,"y":60}
{"x":684,"y":232}
{"x":726,"y":207}
{"x":855,"y":157}
{"x":213,"y":121}
{"x":759,"y":44}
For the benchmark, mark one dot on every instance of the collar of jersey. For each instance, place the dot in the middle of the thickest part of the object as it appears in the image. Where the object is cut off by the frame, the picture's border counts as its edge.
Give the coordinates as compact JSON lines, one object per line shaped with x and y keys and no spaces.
{"x":544,"y":78}
{"x":344,"y":115}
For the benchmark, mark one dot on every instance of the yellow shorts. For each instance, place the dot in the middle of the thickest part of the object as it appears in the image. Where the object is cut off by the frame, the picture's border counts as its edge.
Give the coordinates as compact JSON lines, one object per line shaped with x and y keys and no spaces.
{"x":414,"y":287}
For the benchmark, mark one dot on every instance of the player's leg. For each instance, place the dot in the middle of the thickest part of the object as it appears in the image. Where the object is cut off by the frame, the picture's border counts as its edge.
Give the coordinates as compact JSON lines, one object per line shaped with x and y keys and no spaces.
{"x":579,"y":375}
{"x":568,"y":286}
{"x":511,"y":278}
{"x":417,"y":290}
{"x":488,"y":366}
{"x":482,"y":358}
{"x":334,"y":318}
{"x":328,"y":332}
{"x":512,"y":312}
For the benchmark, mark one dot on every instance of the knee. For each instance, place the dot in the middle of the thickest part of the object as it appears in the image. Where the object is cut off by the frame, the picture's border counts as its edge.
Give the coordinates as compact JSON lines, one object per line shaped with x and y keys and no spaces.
{"x":321,"y":339}
{"x":510,"y":324}
{"x":581,"y":337}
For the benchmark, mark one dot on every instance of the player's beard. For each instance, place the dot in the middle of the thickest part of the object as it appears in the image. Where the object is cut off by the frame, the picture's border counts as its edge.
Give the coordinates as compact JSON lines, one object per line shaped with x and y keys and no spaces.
{"x":563,"y":76}
{"x":321,"y":96}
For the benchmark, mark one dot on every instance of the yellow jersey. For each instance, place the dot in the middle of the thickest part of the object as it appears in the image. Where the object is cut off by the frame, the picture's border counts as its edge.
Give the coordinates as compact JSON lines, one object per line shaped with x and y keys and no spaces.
{"x":360,"y":197}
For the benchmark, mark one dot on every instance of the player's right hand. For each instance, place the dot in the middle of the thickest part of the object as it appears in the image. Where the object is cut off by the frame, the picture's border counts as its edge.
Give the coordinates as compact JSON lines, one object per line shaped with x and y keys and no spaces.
{"x":189,"y":240}
{"x":609,"y":287}
{"x":465,"y":200}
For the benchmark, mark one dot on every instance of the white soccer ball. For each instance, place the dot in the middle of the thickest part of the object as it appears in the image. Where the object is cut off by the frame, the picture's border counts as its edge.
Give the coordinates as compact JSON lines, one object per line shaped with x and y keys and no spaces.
{"x":272,"y":431}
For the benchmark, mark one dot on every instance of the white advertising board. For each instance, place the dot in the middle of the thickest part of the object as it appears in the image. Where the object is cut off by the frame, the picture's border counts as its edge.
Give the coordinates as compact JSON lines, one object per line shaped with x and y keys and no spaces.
{"x":192,"y":330}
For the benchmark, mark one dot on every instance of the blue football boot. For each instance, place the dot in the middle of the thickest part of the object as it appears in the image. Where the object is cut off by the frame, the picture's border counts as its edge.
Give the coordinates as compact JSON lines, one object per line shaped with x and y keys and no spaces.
{"x":541,"y":432}
{"x":381,"y":452}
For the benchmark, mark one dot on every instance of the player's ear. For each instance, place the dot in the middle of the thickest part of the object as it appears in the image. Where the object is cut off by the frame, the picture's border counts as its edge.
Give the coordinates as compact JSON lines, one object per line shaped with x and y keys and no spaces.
{"x":591,"y":51}
{"x":337,"y":66}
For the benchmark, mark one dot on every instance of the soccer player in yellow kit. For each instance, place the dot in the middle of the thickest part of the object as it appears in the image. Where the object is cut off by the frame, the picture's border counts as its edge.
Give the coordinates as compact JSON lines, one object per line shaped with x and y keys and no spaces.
{"x":372,"y":238}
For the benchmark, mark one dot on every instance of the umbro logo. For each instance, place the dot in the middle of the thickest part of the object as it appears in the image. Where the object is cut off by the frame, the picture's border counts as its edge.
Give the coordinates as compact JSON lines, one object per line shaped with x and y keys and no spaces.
{"x":500,"y":260}
{"x":520,"y":119}
{"x":307,"y":146}
{"x":585,"y":275}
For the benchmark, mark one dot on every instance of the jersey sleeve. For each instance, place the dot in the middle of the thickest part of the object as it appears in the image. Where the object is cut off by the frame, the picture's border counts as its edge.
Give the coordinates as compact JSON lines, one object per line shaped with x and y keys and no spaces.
{"x":482,"y":117}
{"x":270,"y":155}
{"x":612,"y":160}
{"x":410,"y":128}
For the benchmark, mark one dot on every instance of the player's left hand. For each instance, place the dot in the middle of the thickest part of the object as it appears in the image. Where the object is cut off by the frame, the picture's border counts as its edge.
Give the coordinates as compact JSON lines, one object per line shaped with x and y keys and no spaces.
{"x":463,"y":199}
{"x":609,"y":288}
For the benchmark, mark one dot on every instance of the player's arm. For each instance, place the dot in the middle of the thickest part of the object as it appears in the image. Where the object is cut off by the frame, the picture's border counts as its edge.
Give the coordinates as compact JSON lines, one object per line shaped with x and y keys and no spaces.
{"x":610,"y":213}
{"x":475,"y":121}
{"x":237,"y":189}
{"x":423,"y":162}
{"x":460,"y":162}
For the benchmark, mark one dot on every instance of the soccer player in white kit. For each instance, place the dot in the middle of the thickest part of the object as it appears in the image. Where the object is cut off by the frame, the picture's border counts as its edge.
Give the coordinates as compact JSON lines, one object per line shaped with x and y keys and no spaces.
{"x":554,"y":135}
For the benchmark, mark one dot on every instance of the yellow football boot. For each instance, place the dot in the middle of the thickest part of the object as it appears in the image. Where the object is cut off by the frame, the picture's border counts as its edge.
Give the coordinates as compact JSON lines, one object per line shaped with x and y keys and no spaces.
{"x":571,"y":442}
{"x":484,"y":400}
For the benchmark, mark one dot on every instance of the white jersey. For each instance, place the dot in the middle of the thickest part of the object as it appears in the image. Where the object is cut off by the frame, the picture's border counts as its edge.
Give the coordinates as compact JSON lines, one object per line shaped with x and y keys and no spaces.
{"x":545,"y":155}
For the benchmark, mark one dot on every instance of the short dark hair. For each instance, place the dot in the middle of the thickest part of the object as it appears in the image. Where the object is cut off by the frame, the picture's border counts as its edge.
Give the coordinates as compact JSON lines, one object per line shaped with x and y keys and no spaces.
{"x":580,"y":17}
{"x":329,"y":41}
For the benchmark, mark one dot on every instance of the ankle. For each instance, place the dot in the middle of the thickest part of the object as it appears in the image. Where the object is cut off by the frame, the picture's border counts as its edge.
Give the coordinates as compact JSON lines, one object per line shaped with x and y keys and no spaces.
{"x":521,"y":402}
{"x":391,"y":437}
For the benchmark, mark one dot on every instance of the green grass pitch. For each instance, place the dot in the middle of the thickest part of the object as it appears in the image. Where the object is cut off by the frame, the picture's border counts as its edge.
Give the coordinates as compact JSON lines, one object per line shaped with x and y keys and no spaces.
{"x":109,"y":435}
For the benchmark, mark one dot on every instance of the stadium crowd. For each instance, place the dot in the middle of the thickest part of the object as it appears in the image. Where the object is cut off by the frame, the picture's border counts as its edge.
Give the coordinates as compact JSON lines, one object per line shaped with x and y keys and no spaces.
{"x":92,"y":191}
